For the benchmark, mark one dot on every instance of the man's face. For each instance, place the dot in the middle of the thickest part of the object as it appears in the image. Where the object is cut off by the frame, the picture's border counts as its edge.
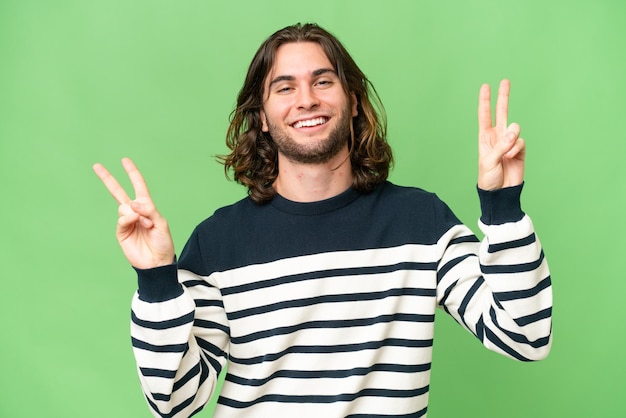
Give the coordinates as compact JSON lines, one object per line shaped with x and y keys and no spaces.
{"x":305,"y":108}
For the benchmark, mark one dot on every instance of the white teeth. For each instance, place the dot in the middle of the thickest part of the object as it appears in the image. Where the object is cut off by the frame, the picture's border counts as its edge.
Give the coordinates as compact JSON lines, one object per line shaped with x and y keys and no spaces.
{"x":310,"y":122}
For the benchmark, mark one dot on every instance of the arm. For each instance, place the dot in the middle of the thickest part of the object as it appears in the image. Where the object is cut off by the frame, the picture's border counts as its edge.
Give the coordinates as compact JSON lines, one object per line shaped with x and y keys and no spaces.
{"x":180,"y":336}
{"x":178,"y":355}
{"x":499,"y":290}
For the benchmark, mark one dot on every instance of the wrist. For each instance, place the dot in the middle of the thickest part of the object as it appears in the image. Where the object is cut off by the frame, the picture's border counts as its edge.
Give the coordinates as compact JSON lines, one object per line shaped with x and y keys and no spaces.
{"x":158,"y":284}
{"x":501,"y":205}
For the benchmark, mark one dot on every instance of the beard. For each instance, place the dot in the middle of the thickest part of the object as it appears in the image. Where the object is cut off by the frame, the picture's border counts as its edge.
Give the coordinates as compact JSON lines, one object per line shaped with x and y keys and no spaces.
{"x":316,"y":151}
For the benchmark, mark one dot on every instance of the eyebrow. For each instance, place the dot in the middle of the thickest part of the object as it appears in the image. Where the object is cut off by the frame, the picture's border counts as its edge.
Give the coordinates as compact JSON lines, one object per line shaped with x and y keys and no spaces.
{"x":315,"y":73}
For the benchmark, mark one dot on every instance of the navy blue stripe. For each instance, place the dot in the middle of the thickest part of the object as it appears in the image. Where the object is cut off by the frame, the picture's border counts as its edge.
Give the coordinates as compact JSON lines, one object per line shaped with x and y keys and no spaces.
{"x":499,"y":343}
{"x":480,"y":329}
{"x":331,"y":374}
{"x":443,"y":270}
{"x":513,"y":268}
{"x":197,"y":282}
{"x":464,"y":239}
{"x":161,"y":397}
{"x":325,"y":399}
{"x":415,"y":414}
{"x":202,"y":323}
{"x":215,"y":351}
{"x":494,"y":248}
{"x":203,"y":303}
{"x":168,"y":348}
{"x":446,"y":293}
{"x":170,"y":323}
{"x":196,"y":411}
{"x":203,"y":377}
{"x":149,"y":372}
{"x":529,"y":319}
{"x":205,"y":372}
{"x":468,"y":296}
{"x":522,"y":294}
{"x":193,"y":372}
{"x":174,"y":411}
{"x":351,"y":297}
{"x":345,"y":323}
{"x":359,"y":271}
{"x":345,"y":348}
{"x":519,"y":338}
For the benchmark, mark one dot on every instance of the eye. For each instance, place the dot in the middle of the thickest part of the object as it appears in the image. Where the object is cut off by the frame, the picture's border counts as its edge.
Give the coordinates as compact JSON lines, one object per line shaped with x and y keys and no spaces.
{"x":284,"y":89}
{"x":324,"y":83}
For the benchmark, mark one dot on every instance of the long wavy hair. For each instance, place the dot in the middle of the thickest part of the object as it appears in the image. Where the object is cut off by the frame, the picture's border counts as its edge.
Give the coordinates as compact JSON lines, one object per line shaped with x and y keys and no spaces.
{"x":254,"y":156}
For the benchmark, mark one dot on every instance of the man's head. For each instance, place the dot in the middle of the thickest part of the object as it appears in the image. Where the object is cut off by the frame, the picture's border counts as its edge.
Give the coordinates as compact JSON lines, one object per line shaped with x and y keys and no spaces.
{"x":306,"y":110}
{"x":261,"y":125}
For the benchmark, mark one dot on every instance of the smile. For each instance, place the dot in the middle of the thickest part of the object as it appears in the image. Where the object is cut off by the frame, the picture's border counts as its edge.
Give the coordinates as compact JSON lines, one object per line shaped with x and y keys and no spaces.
{"x":310,"y":122}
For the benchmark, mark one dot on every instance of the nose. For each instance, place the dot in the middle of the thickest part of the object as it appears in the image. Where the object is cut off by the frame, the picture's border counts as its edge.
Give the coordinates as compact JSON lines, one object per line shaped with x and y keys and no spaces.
{"x":307,"y":99}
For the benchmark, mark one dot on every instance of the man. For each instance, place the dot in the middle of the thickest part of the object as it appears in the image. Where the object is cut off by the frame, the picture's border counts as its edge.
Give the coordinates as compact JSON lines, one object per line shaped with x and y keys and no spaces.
{"x":320,"y":288}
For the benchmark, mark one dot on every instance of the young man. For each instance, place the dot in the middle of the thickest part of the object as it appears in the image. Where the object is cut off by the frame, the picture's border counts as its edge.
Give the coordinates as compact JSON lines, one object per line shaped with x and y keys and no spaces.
{"x":320,"y":288}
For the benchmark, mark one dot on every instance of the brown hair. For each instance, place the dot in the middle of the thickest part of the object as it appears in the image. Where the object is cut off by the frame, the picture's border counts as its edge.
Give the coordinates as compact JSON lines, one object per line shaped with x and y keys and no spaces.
{"x":253,"y":158}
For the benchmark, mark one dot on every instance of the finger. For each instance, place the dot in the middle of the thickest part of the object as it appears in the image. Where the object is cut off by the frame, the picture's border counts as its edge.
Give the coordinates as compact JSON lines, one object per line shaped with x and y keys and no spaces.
{"x":518,"y":149}
{"x":145,"y":222}
{"x":502,"y":104}
{"x":147,"y":210}
{"x":136,"y":179}
{"x":125,"y":222}
{"x":126,"y":209}
{"x":513,"y":131}
{"x":506,"y":141}
{"x":111,"y":184}
{"x":484,"y":108}
{"x":131,"y":213}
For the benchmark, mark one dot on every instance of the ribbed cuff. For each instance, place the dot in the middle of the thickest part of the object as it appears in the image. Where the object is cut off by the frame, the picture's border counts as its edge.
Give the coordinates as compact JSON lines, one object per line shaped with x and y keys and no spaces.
{"x":158,"y":284}
{"x":501,"y":206}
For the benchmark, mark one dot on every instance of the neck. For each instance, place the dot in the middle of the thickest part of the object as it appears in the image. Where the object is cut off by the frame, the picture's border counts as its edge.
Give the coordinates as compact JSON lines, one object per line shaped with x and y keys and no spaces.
{"x":313,"y":182}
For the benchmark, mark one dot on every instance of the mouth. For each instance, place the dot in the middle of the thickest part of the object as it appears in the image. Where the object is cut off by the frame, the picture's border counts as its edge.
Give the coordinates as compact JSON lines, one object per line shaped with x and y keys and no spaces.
{"x":309,"y":123}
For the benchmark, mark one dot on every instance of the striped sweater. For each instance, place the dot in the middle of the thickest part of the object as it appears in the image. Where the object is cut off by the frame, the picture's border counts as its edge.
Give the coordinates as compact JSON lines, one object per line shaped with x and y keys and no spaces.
{"x":326,"y":309}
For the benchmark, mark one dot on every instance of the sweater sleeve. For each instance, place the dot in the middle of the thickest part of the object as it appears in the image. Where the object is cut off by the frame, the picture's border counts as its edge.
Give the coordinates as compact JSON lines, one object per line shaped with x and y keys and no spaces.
{"x":179,"y":336}
{"x":499,"y":289}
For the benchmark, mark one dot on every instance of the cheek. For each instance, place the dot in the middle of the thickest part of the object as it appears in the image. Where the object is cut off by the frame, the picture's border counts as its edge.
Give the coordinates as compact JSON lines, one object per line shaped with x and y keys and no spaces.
{"x":274,"y":111}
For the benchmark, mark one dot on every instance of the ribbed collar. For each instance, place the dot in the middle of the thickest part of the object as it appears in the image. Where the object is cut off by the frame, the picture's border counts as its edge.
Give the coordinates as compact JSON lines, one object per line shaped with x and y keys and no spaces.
{"x":315,"y":208}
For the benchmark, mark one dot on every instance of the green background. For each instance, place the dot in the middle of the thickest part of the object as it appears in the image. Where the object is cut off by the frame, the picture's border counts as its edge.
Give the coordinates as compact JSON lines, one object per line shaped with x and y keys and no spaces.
{"x":93,"y":81}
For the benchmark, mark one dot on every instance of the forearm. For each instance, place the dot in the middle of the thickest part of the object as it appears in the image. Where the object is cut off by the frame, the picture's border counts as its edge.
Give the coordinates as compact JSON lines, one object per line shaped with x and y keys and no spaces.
{"x":175,"y":374}
{"x":502,"y":293}
{"x":516,"y":272}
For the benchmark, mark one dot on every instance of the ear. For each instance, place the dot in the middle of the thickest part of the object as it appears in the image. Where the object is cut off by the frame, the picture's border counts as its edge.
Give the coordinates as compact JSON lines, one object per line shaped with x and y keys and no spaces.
{"x":355,"y":104}
{"x":264,"y":127}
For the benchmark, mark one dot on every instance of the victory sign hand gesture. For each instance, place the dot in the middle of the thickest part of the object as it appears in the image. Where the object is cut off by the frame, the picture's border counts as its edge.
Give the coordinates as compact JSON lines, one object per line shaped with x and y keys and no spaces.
{"x":141,"y":231}
{"x":501,"y":151}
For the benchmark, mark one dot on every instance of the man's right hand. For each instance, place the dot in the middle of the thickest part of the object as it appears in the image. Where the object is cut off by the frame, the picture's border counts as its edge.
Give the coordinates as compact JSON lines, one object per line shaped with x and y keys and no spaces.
{"x":142,"y":232}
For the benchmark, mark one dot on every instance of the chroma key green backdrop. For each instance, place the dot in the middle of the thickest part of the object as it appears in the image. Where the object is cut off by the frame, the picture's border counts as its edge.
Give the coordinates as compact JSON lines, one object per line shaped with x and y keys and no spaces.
{"x":94,"y":81}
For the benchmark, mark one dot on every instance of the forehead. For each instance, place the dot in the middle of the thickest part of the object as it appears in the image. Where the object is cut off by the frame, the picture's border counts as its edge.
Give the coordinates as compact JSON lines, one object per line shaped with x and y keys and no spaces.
{"x":298,"y":59}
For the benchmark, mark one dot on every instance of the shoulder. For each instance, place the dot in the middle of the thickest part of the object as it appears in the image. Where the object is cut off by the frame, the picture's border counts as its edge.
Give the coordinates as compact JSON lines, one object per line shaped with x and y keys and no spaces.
{"x":407,"y":198}
{"x":226,"y":216}
{"x":390,"y":189}
{"x":417,"y":208}
{"x":213,"y":239}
